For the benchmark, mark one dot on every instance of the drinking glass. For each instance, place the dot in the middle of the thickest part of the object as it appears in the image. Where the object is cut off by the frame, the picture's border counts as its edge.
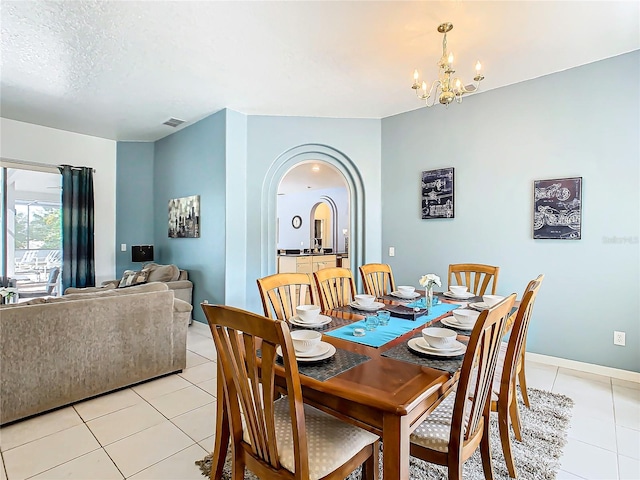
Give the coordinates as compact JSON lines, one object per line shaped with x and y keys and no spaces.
{"x":371,"y":322}
{"x":383,"y":317}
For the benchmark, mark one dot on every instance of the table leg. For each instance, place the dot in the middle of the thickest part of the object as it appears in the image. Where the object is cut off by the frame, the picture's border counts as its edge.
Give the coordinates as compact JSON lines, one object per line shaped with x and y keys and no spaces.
{"x":395,"y":452}
{"x":222,"y":432}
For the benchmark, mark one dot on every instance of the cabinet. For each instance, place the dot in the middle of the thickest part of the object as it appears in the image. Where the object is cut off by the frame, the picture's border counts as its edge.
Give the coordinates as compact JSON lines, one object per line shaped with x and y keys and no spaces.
{"x":305,"y":263}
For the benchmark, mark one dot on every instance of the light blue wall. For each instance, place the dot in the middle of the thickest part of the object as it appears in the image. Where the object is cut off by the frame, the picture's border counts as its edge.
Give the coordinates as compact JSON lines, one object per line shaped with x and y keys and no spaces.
{"x":236,"y":209}
{"x":580,"y":122}
{"x":192,"y":162}
{"x":270,"y":137}
{"x":134,"y":200}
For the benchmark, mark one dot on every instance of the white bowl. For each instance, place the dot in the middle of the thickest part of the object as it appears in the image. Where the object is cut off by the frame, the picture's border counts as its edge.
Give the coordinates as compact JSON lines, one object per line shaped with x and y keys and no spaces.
{"x":466,"y":316}
{"x":308,"y":313}
{"x":492,"y":300}
{"x":458,"y":289}
{"x":439,"y":337}
{"x":305,"y":340}
{"x":365,"y":300}
{"x":406,"y":290}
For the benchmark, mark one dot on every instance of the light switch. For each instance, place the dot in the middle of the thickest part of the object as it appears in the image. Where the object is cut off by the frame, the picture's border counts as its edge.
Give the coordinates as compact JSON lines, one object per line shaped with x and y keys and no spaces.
{"x":123,"y":247}
{"x":392,"y":251}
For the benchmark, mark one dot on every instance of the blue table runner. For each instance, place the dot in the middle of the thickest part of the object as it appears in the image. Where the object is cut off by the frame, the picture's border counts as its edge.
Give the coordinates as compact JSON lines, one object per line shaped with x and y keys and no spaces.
{"x":396,"y":328}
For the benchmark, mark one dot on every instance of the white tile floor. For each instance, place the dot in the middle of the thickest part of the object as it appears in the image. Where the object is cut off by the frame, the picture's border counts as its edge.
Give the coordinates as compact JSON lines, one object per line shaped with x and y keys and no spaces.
{"x":158,"y":429}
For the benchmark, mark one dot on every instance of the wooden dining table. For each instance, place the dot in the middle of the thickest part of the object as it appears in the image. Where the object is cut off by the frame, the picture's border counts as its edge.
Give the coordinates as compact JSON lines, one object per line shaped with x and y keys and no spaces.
{"x":383,"y":395}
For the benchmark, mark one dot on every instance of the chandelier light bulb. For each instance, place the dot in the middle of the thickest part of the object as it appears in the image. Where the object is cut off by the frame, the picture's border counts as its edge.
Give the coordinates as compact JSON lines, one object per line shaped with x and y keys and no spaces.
{"x":450,"y":58}
{"x":458,"y":84}
{"x":416,"y":75}
{"x":424,"y":87}
{"x":478,"y":67}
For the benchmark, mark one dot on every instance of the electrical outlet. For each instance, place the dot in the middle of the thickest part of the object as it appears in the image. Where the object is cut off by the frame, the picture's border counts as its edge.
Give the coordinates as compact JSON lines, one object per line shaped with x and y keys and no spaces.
{"x":392,"y":251}
{"x":619,"y":338}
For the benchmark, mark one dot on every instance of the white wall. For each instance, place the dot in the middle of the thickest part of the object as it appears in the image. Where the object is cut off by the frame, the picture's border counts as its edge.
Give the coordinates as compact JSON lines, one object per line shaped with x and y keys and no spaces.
{"x":32,"y":143}
{"x":301,"y":204}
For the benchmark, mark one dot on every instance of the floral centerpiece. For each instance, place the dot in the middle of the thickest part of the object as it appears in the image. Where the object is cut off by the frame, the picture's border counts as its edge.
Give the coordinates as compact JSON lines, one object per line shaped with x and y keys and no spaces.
{"x":428,"y":281}
{"x":6,"y":293}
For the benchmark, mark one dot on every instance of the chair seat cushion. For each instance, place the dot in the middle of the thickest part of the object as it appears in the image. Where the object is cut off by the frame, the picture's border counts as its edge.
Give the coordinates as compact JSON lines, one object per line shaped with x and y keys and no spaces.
{"x":435,"y":431}
{"x":331,"y":442}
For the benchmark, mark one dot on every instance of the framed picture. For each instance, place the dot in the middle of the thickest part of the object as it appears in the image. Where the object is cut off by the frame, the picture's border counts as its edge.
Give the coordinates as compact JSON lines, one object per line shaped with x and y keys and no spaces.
{"x":437,"y":193}
{"x":557,"y":209}
{"x":184,"y":217}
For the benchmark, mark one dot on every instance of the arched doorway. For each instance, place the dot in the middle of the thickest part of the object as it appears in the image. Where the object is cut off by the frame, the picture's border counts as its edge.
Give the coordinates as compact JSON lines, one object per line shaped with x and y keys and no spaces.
{"x":275,"y":174}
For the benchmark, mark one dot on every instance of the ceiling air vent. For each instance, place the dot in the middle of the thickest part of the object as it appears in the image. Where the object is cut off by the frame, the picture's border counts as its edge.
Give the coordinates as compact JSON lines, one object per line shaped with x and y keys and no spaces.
{"x":173,"y":122}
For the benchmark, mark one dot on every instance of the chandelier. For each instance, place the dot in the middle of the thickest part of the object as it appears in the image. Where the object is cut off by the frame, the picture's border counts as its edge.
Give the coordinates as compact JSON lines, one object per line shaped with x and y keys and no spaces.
{"x":445,"y":88}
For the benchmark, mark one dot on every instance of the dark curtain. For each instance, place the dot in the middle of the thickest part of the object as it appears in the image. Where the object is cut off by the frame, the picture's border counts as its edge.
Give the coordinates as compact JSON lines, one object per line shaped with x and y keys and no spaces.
{"x":78,"y":268}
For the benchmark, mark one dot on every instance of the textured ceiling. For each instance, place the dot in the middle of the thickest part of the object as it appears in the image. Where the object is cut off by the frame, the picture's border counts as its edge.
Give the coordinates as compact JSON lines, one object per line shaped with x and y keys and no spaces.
{"x":119,"y":69}
{"x":304,"y":177}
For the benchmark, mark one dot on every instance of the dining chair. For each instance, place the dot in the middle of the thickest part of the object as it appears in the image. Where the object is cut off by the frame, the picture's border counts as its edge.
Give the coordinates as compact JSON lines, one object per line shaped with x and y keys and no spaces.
{"x":335,"y":287}
{"x":284,"y":438}
{"x":475,"y":276}
{"x":460,"y":423}
{"x":377,"y":279}
{"x":281,"y":293}
{"x":510,"y":365}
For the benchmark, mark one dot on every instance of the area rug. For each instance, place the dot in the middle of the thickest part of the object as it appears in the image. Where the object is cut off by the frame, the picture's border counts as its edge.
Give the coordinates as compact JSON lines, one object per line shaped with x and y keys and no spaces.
{"x":537,"y":457}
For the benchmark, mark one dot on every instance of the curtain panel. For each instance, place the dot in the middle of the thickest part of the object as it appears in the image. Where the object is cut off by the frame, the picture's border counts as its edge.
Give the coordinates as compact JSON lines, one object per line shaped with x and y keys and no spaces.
{"x":78,"y":267}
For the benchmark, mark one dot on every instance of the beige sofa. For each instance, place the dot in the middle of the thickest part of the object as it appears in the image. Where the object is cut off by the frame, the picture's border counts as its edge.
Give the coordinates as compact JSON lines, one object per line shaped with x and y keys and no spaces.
{"x":57,"y":351}
{"x":176,"y":279}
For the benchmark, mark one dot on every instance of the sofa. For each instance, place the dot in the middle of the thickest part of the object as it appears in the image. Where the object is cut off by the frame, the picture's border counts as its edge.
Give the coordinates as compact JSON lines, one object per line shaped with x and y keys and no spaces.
{"x":58,"y":351}
{"x":176,"y":279}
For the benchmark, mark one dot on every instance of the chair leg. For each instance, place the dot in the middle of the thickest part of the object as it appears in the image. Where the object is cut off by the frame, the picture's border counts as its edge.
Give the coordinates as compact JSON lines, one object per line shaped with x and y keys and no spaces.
{"x":503,"y":426}
{"x":455,"y":470}
{"x":522,"y":380}
{"x":485,"y":452}
{"x":514,"y":413}
{"x":370,"y":470}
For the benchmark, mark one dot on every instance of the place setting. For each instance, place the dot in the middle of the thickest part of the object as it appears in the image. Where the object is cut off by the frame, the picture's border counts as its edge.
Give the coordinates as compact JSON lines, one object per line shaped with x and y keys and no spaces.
{"x":463,"y":319}
{"x":308,"y":316}
{"x":488,"y":302}
{"x":458,"y":292}
{"x":309,"y":347}
{"x":366,"y":303}
{"x":405,"y":292}
{"x":436,"y":348}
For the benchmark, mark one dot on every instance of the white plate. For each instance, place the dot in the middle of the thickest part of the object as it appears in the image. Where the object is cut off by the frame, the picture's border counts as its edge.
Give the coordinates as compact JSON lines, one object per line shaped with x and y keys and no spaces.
{"x":416,"y":344}
{"x":479,"y":306}
{"x":406,"y":297}
{"x":322,"y":320}
{"x":330,"y":352}
{"x":367,"y":308}
{"x":463,"y":296}
{"x":452,"y":322}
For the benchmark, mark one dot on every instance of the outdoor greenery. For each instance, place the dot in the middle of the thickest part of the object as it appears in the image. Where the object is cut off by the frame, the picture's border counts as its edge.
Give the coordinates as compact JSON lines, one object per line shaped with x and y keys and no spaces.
{"x":44,"y":231}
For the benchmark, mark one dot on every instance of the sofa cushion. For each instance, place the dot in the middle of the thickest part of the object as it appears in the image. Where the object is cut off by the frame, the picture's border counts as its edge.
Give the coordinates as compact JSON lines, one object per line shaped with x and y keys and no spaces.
{"x":109,"y":286}
{"x":112,"y":292}
{"x":33,"y":301}
{"x":131,"y":278}
{"x":162,"y":273}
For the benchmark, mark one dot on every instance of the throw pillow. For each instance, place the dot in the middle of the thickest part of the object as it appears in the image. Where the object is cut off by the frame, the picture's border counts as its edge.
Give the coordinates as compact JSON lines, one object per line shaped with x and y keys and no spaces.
{"x":162,"y":273}
{"x":130,"y":278}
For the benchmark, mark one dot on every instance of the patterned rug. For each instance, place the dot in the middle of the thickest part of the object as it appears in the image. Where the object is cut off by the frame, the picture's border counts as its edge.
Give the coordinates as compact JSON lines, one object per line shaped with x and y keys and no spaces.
{"x":537,"y":457}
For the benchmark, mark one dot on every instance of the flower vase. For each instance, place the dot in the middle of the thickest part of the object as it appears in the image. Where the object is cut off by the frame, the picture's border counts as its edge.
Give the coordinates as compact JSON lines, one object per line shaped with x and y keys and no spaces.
{"x":428,"y":297}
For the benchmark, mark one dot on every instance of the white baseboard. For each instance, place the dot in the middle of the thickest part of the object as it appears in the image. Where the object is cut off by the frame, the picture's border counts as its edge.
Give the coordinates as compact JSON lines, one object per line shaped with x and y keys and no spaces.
{"x":585,"y":367}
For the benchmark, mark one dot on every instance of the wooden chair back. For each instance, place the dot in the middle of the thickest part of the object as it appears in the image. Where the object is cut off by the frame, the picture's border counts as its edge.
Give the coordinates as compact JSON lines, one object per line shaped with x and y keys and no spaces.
{"x":335,"y":287}
{"x":377,"y":279}
{"x":475,"y":276}
{"x":472,"y":403}
{"x":250,"y":388}
{"x":517,"y":338}
{"x":283,"y":292}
